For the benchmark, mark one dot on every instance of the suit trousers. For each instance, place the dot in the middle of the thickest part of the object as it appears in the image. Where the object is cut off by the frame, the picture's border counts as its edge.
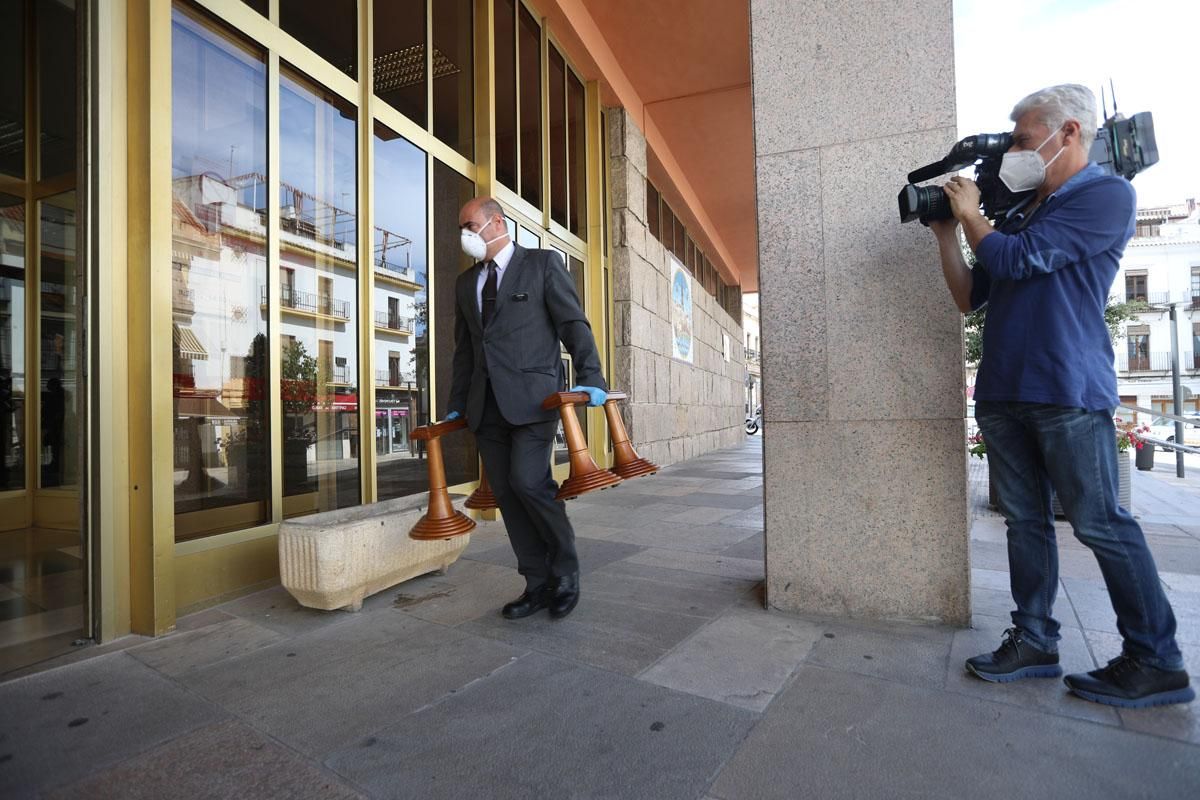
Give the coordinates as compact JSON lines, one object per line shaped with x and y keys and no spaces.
{"x":517,"y":460}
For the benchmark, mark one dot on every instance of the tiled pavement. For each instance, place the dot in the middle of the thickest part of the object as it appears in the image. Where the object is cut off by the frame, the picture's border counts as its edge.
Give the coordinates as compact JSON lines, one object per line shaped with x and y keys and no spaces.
{"x":668,"y":681}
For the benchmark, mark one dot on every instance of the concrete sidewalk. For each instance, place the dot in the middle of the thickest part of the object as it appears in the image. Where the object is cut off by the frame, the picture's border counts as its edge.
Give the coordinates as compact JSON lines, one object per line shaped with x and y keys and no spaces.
{"x":668,"y":681}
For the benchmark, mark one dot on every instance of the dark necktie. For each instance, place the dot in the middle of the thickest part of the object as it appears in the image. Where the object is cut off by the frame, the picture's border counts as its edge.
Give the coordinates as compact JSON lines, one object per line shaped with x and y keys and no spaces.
{"x":489,"y":294}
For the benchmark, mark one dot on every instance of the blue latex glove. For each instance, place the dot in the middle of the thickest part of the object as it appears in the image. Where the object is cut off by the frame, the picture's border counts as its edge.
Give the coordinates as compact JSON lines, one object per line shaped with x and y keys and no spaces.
{"x":453,"y":415}
{"x":596,"y":396}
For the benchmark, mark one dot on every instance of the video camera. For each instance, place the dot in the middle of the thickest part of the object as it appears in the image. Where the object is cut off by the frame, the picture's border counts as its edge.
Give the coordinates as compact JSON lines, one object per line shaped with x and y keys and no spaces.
{"x":1123,"y":146}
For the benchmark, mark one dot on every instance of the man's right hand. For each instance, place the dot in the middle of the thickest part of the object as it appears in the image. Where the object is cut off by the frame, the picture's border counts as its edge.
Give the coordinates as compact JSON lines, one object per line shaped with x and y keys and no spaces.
{"x":453,"y":415}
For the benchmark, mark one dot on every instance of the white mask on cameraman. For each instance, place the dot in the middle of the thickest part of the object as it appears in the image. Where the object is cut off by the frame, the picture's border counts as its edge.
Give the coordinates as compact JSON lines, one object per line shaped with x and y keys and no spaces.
{"x":474,"y":245}
{"x":1024,"y":170}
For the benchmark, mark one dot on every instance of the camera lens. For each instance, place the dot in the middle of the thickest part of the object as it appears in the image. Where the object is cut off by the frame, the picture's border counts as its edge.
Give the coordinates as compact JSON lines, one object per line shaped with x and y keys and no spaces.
{"x":924,"y":203}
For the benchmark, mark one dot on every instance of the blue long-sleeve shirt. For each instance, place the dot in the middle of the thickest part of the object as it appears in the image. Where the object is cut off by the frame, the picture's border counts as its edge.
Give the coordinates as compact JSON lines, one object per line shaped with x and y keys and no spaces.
{"x":1045,"y":277}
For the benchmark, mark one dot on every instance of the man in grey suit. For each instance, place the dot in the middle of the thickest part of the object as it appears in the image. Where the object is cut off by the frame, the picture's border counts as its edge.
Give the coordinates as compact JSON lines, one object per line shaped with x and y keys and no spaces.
{"x":511,"y":311}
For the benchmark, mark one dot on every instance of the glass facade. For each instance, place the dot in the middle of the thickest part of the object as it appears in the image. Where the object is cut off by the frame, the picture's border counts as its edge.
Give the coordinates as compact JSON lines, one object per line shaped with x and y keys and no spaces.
{"x":59,"y":367}
{"x":453,"y":75}
{"x":401,"y":272}
{"x":44,"y":544}
{"x":529,"y":81}
{"x":318,"y":206}
{"x":12,"y":89}
{"x":400,"y":57}
{"x":450,"y":192}
{"x":218,"y":280}
{"x":233,"y":302}
{"x":505,"y":76}
{"x":57,"y":103}
{"x":12,"y":343}
{"x":327,"y":27}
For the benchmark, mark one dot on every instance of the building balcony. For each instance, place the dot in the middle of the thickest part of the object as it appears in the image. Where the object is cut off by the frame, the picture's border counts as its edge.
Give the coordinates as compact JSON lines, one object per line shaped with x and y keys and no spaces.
{"x":308,"y":304}
{"x":393,"y":323}
{"x":1153,"y":363}
{"x":387,"y":378}
{"x":396,"y":273}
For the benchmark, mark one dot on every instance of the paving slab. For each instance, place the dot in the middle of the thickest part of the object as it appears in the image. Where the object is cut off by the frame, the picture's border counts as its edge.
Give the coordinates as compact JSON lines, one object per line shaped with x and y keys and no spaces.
{"x":544,"y":728}
{"x":611,"y":635}
{"x":832,"y":734}
{"x":183,"y":651}
{"x":750,"y":518}
{"x":741,"y":501}
{"x":743,"y":658}
{"x":60,"y":725}
{"x":657,"y":588}
{"x":320,"y":691}
{"x":593,"y":554}
{"x":469,"y":590}
{"x":753,"y":547}
{"x":701,"y":515}
{"x":726,"y":566}
{"x":697,"y":538}
{"x":218,"y":762}
{"x":277,"y":610}
{"x":912,"y":654}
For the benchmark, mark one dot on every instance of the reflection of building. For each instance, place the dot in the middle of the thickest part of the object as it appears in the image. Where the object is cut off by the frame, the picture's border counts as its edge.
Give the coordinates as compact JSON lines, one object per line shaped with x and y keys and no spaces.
{"x":1160,"y":268}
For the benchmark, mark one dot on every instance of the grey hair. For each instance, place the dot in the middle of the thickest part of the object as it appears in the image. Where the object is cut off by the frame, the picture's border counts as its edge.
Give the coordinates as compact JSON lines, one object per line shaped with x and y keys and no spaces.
{"x":1057,"y":104}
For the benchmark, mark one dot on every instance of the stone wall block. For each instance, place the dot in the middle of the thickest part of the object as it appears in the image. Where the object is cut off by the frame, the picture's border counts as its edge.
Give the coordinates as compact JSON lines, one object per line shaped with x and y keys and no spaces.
{"x":852,"y":71}
{"x":908,"y":555}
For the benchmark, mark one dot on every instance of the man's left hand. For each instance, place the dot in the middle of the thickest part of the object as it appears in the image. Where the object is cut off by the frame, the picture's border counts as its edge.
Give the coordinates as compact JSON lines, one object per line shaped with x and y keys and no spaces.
{"x":596,"y":397}
{"x":964,"y":197}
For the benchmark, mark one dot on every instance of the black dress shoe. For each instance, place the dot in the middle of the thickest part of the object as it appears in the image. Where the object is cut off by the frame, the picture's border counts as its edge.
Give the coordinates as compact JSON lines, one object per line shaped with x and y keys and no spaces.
{"x":564,"y":596}
{"x":531,"y":601}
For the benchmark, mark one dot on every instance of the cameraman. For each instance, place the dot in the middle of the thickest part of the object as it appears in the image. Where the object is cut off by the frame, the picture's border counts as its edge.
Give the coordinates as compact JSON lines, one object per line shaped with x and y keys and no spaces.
{"x":1046,"y":392}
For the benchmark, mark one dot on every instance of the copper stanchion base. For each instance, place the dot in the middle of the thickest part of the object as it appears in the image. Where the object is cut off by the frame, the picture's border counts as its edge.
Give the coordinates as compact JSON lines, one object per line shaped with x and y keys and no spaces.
{"x":481,"y":499}
{"x":581,"y":484}
{"x":634,"y":469}
{"x":445,"y":528}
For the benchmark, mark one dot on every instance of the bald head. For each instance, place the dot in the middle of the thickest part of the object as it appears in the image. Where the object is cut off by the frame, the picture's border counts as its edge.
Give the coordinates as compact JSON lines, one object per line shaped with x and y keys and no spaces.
{"x":485,"y":216}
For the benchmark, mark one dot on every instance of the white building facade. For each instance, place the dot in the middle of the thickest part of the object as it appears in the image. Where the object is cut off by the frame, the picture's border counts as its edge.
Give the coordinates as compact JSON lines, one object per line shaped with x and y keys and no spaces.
{"x":1161,"y":268}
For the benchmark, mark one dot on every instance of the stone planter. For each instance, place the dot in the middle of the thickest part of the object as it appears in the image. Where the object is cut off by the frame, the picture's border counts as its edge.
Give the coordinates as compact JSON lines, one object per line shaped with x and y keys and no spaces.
{"x":337,"y":558}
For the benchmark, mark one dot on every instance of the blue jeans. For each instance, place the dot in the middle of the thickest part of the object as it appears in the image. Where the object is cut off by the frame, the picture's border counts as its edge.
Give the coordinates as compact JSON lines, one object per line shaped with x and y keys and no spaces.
{"x":1032,"y":447}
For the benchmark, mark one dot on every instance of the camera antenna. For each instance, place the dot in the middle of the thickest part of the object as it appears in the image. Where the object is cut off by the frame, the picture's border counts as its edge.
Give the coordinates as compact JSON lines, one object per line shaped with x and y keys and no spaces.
{"x":1103,"y":103}
{"x":1113,"y":90}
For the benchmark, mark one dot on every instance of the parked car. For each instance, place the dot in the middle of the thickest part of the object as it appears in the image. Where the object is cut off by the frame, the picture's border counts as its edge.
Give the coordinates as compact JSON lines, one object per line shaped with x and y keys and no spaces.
{"x":1164,"y":428}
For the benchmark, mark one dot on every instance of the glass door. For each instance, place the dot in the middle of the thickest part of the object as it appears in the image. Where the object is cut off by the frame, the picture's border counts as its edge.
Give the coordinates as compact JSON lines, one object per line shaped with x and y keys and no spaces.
{"x":44,"y":577}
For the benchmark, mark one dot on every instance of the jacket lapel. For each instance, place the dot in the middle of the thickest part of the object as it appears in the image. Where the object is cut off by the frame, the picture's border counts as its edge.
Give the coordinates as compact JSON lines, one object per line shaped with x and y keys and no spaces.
{"x":507,"y":286}
{"x":469,"y":297}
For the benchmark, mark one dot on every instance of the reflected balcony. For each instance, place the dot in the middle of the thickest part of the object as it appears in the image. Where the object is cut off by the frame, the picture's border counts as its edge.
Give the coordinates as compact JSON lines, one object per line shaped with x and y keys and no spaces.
{"x":387,"y":322}
{"x":387,"y":378}
{"x":310,"y":305}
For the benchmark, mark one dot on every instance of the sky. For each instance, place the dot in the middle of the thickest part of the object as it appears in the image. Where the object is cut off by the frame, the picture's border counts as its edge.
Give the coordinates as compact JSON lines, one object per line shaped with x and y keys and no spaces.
{"x":1004,"y":51}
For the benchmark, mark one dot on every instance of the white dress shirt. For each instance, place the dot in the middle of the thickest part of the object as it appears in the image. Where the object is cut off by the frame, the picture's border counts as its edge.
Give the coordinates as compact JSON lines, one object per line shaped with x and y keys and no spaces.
{"x":502,"y":258}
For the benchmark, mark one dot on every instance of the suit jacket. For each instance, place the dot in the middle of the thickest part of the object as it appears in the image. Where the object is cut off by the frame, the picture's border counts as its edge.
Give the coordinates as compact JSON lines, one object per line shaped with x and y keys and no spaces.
{"x":536,"y":308}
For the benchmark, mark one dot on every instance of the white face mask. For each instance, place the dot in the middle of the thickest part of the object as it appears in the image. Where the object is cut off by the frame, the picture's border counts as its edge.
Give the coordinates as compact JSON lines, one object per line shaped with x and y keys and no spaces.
{"x":473,"y":243}
{"x":1024,"y":170}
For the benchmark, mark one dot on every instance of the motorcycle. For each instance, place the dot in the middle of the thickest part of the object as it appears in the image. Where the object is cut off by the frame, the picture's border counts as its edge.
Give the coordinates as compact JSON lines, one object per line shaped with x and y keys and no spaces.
{"x":754,"y":422}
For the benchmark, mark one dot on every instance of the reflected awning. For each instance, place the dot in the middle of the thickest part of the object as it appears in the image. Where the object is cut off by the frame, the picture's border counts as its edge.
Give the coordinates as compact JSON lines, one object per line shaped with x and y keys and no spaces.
{"x":189,"y":346}
{"x":201,"y":406}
